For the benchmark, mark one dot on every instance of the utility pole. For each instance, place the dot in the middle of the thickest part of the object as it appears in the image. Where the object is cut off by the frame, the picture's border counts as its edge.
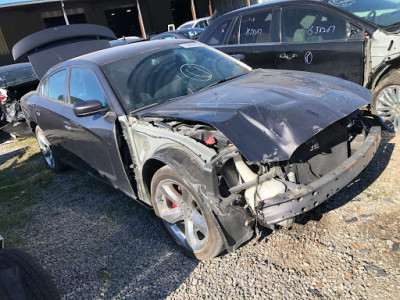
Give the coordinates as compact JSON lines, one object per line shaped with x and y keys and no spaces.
{"x":141,"y":20}
{"x":64,"y":13}
{"x":193,"y":8}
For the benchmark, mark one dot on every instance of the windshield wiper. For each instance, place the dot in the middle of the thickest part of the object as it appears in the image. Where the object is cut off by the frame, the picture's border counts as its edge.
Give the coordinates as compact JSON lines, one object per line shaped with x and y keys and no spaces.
{"x":153,"y":104}
{"x":220,"y":81}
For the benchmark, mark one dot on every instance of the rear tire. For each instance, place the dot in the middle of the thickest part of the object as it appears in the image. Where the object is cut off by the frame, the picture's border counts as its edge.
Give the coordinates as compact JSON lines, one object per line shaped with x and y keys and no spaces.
{"x":36,"y":282}
{"x":48,"y":152}
{"x":185,"y":217}
{"x":386,"y":101}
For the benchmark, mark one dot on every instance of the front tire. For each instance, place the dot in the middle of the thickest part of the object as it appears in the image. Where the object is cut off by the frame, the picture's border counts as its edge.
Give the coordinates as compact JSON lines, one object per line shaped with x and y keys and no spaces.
{"x":386,"y":101}
{"x":187,"y":220}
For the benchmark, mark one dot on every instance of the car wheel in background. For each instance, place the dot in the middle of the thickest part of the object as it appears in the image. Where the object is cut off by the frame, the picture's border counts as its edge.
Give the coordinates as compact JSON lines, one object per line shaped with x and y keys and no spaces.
{"x":386,"y":101}
{"x":47,"y":151}
{"x":22,"y":276}
{"x":190,"y":223}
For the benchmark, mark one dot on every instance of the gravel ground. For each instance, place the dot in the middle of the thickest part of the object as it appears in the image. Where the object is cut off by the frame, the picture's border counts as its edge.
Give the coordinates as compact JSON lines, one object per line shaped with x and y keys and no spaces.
{"x":98,"y":243}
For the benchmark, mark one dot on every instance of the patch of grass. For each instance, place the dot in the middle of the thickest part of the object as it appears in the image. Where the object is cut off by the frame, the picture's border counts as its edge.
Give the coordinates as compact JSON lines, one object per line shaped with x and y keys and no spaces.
{"x":22,"y":172}
{"x":104,"y":275}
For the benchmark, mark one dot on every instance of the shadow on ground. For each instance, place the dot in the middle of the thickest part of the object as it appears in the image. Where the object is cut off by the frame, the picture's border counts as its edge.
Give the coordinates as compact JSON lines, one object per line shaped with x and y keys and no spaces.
{"x":97,"y":242}
{"x":94,"y":241}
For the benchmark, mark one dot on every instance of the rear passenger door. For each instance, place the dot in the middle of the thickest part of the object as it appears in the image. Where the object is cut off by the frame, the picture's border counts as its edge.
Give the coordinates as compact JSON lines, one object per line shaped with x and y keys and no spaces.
{"x":251,"y":38}
{"x":320,"y":40}
{"x":48,"y":107}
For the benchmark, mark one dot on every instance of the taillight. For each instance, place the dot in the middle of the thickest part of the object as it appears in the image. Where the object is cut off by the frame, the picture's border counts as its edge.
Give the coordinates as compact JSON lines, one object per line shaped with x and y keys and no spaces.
{"x":2,"y":97}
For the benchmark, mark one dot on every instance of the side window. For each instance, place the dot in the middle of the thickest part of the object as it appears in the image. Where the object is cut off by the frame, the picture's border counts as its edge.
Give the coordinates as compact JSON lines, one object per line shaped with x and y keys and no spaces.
{"x":302,"y":25}
{"x":354,"y":32}
{"x":255,"y":28}
{"x":84,"y":86}
{"x":218,"y":35}
{"x":56,"y":85}
{"x":234,"y":35}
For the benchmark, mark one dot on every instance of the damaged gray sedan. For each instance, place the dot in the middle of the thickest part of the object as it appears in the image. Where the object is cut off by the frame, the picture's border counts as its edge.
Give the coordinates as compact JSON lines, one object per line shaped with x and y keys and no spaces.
{"x":212,"y":145}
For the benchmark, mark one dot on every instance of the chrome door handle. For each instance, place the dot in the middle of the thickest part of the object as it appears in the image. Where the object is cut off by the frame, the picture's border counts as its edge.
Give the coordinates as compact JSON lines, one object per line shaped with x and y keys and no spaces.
{"x":67,"y":125}
{"x":287,"y":56}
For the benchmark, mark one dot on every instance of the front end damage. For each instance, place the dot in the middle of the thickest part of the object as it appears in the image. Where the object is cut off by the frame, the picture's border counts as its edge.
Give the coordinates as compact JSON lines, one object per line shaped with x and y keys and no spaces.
{"x":275,"y":193}
{"x":241,"y":193}
{"x":268,"y":154}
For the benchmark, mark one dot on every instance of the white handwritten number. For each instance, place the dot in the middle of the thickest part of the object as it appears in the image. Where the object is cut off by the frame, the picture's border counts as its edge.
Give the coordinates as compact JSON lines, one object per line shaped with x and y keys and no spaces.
{"x":251,"y":32}
{"x":319,"y":29}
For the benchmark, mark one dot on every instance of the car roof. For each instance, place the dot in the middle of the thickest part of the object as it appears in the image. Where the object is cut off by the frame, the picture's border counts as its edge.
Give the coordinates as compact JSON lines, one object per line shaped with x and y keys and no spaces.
{"x":195,"y":21}
{"x":15,"y":67}
{"x":112,"y":54}
{"x":275,"y":2}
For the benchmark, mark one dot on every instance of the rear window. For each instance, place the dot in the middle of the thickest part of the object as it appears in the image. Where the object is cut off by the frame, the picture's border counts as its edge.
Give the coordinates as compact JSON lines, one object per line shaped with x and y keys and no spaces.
{"x":218,"y":35}
{"x":56,"y":85}
{"x":16,"y":76}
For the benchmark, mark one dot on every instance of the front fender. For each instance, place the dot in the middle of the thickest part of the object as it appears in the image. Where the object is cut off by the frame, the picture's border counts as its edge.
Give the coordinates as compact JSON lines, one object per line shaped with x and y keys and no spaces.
{"x":232,"y":225}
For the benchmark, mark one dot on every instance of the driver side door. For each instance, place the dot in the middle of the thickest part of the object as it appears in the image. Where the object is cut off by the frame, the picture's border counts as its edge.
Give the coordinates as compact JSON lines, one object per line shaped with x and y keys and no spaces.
{"x":93,"y":137}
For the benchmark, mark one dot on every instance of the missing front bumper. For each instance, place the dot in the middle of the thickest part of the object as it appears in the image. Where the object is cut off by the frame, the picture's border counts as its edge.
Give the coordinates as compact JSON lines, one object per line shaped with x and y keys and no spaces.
{"x":294,"y":203}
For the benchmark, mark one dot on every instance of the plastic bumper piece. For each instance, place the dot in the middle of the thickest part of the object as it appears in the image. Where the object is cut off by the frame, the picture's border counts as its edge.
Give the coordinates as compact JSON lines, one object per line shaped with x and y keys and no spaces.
{"x":293,"y":203}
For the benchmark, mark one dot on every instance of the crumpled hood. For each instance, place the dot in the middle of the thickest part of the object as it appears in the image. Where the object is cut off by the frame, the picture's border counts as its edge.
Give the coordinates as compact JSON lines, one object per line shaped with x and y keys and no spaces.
{"x":267,"y":114}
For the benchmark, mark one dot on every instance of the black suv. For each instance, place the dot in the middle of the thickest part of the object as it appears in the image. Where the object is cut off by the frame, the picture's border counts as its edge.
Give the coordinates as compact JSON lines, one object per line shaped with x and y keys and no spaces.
{"x":357,"y":40}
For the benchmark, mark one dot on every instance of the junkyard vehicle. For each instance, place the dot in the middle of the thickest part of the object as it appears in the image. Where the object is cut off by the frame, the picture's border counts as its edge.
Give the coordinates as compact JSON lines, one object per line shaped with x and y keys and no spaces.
{"x":126,"y":40}
{"x":357,"y":40}
{"x":22,"y":277}
{"x":206,"y":141}
{"x":187,"y":33}
{"x":198,"y":23}
{"x":15,"y":81}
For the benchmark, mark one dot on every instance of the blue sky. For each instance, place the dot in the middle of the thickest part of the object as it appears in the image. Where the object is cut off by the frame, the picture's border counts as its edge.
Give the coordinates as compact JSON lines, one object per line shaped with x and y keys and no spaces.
{"x":10,"y":1}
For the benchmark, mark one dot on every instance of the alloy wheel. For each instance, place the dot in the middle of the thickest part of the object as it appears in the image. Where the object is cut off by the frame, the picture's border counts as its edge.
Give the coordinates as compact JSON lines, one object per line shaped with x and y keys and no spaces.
{"x":388,"y":107}
{"x":181,"y":215}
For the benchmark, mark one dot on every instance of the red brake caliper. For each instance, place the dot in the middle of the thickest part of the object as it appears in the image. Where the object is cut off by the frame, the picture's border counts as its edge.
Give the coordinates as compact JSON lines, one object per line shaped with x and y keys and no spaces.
{"x":179,"y":190}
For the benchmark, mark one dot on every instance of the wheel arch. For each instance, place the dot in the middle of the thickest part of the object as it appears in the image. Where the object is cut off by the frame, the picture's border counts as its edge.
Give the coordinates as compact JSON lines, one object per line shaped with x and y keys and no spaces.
{"x":384,"y":72}
{"x":32,"y":125}
{"x":178,"y":159}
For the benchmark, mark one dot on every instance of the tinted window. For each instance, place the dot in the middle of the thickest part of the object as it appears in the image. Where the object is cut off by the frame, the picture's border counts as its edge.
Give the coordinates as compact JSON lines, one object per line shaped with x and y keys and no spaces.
{"x":57,"y":85}
{"x":202,"y":24}
{"x":255,"y":28}
{"x":218,"y":35}
{"x":12,"y":77}
{"x":166,"y":73}
{"x":234,"y":35}
{"x":85,"y":86}
{"x":301,"y":25}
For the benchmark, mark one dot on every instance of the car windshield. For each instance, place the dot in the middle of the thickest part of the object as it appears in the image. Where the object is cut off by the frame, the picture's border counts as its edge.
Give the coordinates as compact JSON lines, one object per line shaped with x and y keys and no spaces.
{"x":384,"y":13}
{"x":12,"y":77}
{"x":158,"y":75}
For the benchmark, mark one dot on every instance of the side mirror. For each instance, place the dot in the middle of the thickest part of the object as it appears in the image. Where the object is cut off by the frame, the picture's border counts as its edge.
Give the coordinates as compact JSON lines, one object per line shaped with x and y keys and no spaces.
{"x":88,"y":108}
{"x":238,"y":56}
